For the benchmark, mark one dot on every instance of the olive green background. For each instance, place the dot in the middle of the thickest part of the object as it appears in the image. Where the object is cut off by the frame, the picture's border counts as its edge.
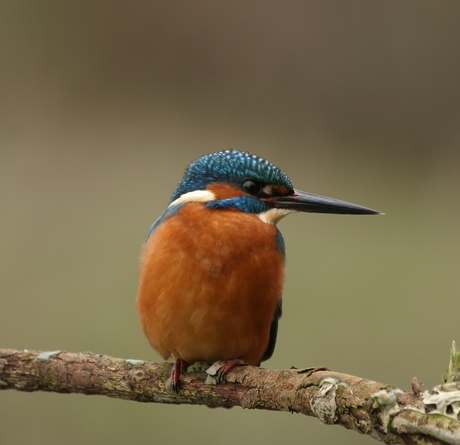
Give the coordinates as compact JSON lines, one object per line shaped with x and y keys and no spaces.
{"x":102,"y":106}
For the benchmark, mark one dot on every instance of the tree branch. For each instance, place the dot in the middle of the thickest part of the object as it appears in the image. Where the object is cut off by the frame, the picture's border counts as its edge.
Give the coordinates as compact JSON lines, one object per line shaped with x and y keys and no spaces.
{"x":384,"y":412}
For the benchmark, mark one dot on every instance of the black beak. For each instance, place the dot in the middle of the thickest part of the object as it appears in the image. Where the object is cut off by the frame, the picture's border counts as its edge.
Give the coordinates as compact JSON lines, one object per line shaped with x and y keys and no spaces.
{"x":307,"y":202}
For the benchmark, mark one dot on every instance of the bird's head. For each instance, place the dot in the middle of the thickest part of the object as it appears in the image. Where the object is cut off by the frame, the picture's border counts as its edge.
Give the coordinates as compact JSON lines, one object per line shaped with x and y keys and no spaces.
{"x":248,"y":183}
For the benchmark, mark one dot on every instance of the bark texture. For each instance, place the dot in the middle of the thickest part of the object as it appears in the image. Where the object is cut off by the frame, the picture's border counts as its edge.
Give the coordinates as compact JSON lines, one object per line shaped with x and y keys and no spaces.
{"x":382,"y":411}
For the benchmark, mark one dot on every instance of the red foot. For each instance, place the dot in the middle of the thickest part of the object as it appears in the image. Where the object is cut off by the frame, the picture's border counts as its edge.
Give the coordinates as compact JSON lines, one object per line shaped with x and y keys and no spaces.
{"x":227,"y":365}
{"x":179,"y":367}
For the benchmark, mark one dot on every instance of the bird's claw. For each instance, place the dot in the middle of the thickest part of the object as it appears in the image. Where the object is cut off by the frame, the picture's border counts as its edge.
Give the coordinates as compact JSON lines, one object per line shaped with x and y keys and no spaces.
{"x":218,"y":371}
{"x":173,"y":383}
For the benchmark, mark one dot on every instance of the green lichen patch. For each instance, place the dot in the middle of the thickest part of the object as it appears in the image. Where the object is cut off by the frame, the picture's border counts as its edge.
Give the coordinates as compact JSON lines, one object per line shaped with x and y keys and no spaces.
{"x":453,"y":371}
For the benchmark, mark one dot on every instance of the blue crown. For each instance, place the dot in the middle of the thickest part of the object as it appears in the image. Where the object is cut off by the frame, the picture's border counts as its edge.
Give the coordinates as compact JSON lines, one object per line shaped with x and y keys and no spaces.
{"x":229,"y":166}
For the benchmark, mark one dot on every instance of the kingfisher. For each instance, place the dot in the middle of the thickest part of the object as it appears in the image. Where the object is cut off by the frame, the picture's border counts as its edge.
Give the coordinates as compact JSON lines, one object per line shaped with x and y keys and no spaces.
{"x":212,"y":267}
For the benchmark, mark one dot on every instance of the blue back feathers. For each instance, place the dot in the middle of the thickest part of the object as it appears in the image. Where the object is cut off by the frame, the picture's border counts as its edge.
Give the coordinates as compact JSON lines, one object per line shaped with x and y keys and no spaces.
{"x":232,"y":167}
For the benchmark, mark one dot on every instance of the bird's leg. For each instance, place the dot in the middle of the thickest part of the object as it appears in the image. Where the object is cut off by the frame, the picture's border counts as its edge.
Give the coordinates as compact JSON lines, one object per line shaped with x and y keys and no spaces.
{"x":225,"y":366}
{"x":180,"y":366}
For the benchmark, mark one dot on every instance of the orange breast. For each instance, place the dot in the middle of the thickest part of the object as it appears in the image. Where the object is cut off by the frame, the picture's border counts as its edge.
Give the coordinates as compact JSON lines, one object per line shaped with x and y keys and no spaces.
{"x":209,"y":286}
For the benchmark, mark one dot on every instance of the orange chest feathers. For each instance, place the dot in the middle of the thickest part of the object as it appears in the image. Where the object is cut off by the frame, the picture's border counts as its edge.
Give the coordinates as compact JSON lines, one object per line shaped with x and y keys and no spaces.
{"x":210,"y":283}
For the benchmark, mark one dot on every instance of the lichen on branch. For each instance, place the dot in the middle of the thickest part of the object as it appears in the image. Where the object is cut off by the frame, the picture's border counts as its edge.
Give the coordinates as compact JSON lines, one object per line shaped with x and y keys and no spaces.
{"x":384,"y":412}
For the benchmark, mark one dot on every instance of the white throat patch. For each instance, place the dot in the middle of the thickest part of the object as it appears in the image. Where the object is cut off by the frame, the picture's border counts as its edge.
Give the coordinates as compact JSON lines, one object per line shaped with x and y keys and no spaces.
{"x":273,"y":216}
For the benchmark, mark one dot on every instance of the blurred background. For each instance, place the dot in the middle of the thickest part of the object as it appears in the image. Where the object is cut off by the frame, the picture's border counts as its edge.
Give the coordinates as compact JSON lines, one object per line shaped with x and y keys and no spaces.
{"x":103,"y":105}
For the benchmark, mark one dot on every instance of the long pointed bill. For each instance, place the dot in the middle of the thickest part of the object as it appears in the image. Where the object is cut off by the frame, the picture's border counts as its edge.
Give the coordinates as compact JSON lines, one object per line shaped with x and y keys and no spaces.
{"x":308,"y":202}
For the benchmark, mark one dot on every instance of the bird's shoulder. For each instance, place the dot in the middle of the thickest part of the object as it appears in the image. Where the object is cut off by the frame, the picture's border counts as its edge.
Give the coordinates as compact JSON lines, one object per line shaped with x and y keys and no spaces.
{"x":228,"y":224}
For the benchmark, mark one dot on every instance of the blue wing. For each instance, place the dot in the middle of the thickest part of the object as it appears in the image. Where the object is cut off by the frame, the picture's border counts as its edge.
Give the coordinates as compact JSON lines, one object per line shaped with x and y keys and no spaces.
{"x":277,"y":315}
{"x":273,"y":333}
{"x":170,"y":211}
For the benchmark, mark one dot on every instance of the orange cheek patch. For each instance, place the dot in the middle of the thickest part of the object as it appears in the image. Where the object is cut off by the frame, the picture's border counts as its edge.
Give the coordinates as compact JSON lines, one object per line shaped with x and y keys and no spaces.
{"x":223,"y":191}
{"x":280,"y":190}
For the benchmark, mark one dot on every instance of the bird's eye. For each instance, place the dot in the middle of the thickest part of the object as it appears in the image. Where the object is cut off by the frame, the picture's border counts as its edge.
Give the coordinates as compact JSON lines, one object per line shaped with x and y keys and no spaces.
{"x":251,"y":187}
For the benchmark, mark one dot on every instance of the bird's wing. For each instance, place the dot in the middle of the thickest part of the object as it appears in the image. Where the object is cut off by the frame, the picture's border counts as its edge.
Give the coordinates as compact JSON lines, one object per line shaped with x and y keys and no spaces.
{"x":170,"y":211}
{"x":273,"y":333}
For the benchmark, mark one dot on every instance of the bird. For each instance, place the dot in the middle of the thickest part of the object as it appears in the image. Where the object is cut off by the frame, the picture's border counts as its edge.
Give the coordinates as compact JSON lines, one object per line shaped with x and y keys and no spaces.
{"x":213,"y":264}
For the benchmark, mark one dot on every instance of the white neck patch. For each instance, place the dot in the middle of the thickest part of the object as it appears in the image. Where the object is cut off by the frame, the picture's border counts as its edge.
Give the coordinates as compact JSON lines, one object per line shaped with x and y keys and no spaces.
{"x":195,"y":196}
{"x":273,"y":216}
